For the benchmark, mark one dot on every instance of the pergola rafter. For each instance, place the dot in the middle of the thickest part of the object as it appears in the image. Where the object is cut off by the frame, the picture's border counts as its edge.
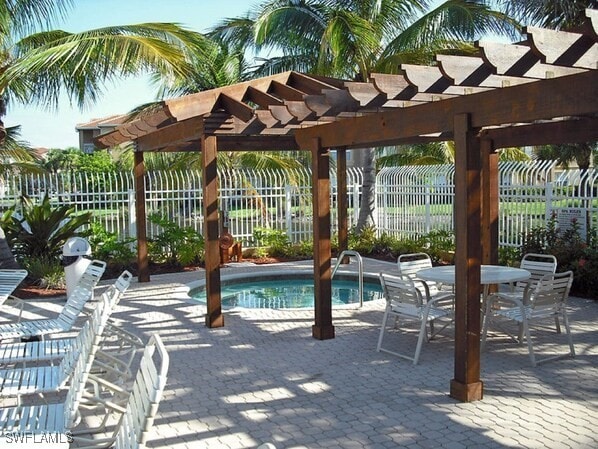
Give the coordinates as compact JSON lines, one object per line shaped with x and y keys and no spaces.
{"x":540,"y":91}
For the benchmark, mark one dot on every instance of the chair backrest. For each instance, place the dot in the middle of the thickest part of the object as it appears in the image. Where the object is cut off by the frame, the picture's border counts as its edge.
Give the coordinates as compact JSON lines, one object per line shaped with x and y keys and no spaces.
{"x":400,"y":292}
{"x":81,"y":294}
{"x":76,"y":364}
{"x":538,"y":265}
{"x":551,"y":293}
{"x":145,"y":397}
{"x":87,"y":344}
{"x":90,"y":337}
{"x":410,"y":264}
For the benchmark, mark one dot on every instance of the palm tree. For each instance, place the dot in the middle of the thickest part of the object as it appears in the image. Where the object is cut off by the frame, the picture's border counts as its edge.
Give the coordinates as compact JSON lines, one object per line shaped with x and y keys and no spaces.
{"x":352,"y":38}
{"x":38,"y":63}
{"x":557,"y":14}
{"x":435,"y":153}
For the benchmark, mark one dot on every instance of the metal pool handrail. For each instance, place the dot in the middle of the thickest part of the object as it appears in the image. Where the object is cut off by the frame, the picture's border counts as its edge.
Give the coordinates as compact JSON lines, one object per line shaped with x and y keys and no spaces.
{"x":348,"y":253}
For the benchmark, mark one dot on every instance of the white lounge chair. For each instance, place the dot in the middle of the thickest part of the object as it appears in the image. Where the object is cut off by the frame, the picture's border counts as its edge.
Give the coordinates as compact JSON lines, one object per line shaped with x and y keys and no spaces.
{"x":137,"y":416}
{"x":548,"y":300}
{"x":41,"y":379}
{"x":54,"y":349}
{"x":64,"y":322}
{"x":58,"y":418}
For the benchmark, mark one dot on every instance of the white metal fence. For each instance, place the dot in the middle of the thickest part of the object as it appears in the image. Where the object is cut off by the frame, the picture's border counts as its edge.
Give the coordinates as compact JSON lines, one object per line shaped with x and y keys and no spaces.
{"x":411,"y":201}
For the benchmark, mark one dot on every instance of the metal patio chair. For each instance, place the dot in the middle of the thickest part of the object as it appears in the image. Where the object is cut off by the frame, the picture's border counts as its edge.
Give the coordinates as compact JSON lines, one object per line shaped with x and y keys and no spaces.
{"x":547,"y":301}
{"x":405,"y":301}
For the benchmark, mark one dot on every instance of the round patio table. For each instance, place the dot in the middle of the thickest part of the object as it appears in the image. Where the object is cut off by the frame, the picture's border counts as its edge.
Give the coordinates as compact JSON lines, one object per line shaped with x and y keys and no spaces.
{"x":490,"y":274}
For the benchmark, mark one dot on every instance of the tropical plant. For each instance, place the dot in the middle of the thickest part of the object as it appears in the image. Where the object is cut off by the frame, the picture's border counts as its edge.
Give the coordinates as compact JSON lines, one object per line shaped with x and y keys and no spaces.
{"x":39,"y":62}
{"x":175,"y":245}
{"x":352,"y":38}
{"x":40,"y":231}
{"x":107,"y":246}
{"x":557,"y":14}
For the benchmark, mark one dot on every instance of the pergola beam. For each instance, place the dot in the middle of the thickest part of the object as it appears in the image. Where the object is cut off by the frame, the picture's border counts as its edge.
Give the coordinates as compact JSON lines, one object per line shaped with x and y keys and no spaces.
{"x":570,"y":95}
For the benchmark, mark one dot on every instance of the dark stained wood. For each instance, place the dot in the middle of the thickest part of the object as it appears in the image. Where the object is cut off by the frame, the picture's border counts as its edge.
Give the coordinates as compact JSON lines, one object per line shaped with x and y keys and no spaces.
{"x":261,"y":98}
{"x":235,"y":107}
{"x":342,"y":204}
{"x":257,"y":143}
{"x":433,"y":80}
{"x":473,"y":71}
{"x":563,"y":48}
{"x":285,"y":92}
{"x":214,"y":316}
{"x":570,"y":95}
{"x":582,"y":129}
{"x":520,"y":60}
{"x":308,"y":84}
{"x":322,"y":328}
{"x":489,"y":228}
{"x":174,"y":134}
{"x":142,"y":257}
{"x":466,"y":385}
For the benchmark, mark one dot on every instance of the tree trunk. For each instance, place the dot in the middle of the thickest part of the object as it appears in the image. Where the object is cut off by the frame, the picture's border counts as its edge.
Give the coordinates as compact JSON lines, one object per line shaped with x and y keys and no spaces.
{"x":368,"y":189}
{"x":7,"y":258}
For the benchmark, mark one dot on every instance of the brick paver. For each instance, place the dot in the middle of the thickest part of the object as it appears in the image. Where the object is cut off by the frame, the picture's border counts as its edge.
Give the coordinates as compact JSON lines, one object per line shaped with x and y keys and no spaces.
{"x":263,"y":378}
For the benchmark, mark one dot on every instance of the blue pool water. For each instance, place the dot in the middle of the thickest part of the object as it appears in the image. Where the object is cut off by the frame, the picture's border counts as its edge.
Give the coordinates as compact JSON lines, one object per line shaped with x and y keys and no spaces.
{"x":289,"y":294}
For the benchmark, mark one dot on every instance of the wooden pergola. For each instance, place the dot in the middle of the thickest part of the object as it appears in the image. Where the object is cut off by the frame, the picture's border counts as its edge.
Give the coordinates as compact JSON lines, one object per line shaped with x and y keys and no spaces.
{"x":540,"y":91}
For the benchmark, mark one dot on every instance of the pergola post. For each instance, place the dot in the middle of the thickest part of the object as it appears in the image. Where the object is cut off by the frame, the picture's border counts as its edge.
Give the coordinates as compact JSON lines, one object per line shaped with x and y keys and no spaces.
{"x":214,"y":316}
{"x":466,"y":385}
{"x":489,"y":202}
{"x":142,"y":258}
{"x":323,"y":328}
{"x":342,"y":204}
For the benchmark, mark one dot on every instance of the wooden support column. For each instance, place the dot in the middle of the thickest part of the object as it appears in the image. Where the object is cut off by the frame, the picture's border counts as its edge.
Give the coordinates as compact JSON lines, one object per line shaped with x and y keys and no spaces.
{"x":214,"y":317}
{"x":142,"y":258}
{"x":323,"y":328}
{"x":342,"y":203}
{"x":466,"y":385}
{"x":489,"y":203}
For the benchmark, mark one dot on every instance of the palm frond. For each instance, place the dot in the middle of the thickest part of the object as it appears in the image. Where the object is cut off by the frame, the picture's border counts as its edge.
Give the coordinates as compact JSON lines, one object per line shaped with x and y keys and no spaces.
{"x":80,"y":63}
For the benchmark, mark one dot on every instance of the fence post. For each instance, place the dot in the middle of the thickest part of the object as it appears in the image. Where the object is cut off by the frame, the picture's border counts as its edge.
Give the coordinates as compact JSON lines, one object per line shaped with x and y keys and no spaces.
{"x":289,"y":211}
{"x":356,"y":203}
{"x":132,"y":231}
{"x":548,"y":195}
{"x":428,"y":209}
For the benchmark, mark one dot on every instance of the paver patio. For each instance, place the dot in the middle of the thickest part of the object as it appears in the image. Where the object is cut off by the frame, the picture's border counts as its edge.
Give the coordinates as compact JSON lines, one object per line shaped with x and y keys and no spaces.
{"x":263,"y":378}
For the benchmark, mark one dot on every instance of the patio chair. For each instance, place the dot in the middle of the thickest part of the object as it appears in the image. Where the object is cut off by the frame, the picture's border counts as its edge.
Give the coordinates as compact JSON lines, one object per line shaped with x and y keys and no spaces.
{"x":57,"y":417}
{"x":408,"y":266}
{"x":547,"y":300}
{"x":41,"y":379}
{"x":137,"y":416}
{"x":54,"y":349}
{"x":538,"y":265}
{"x":405,"y":301}
{"x":64,"y":322}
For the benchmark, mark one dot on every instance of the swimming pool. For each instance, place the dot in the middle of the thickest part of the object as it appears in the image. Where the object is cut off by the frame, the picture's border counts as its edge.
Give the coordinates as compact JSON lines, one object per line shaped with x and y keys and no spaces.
{"x":288,"y":292}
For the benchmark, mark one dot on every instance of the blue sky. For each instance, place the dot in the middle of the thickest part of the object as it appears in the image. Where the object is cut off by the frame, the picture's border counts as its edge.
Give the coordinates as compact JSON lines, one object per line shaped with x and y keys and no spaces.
{"x":56,"y":129}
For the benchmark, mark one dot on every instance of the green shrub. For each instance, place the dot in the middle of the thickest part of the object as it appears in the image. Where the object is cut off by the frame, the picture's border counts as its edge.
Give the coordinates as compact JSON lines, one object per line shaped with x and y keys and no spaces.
{"x":275,"y":242}
{"x":106,"y":246}
{"x":175,"y":245}
{"x":46,"y":272}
